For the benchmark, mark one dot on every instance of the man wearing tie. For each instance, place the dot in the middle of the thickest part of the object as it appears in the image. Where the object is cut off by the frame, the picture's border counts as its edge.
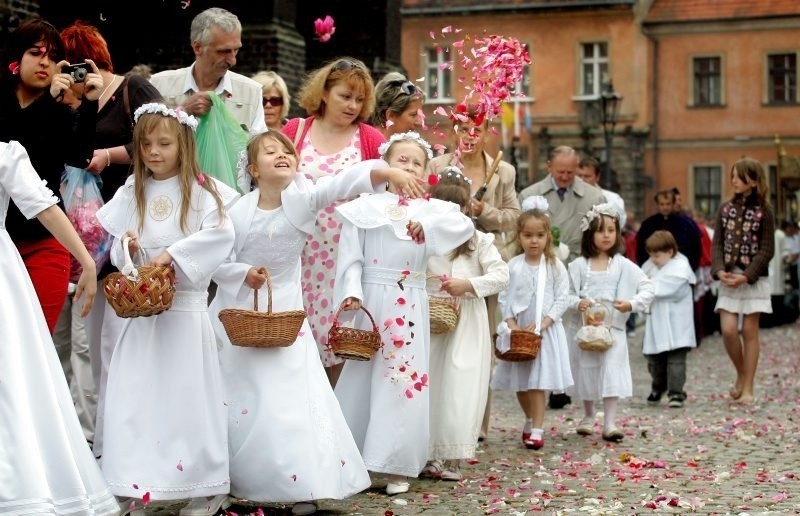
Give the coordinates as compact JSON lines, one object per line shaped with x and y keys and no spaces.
{"x":569,"y":198}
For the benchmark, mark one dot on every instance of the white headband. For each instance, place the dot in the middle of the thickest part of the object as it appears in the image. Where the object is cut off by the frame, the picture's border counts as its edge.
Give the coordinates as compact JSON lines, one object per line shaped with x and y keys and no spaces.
{"x":411,"y":136}
{"x":535,"y":202}
{"x":160,"y":109}
{"x":451,"y":171}
{"x":597,"y":210}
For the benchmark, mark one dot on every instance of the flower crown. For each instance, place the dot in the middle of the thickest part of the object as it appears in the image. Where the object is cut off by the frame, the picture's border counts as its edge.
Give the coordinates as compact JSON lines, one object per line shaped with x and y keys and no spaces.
{"x":452,"y":171}
{"x":161,"y":109}
{"x":535,"y":202}
{"x":412,"y":136}
{"x":596,"y":211}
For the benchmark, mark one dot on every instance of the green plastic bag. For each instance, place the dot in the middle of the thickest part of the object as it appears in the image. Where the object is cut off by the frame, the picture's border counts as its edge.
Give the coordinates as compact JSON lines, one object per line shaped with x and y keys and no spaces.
{"x":221,"y":143}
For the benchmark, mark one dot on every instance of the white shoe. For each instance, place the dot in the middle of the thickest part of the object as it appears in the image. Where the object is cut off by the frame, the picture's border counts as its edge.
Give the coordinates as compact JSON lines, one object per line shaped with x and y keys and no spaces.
{"x":393,"y":488}
{"x":206,"y":505}
{"x":303,"y":508}
{"x":586,"y":426}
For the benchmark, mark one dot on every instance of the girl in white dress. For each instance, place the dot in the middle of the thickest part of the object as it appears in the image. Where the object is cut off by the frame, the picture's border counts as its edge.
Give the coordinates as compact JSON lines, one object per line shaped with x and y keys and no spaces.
{"x":385,"y":245}
{"x":47,"y":466}
{"x":535,"y":271}
{"x":602,"y":274}
{"x":165,"y":419}
{"x":460,"y":359}
{"x":288,"y":440}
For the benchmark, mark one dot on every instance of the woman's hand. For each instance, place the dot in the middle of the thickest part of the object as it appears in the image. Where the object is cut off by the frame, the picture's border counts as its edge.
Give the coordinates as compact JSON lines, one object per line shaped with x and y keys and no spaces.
{"x":457,"y":286}
{"x":86,"y":287}
{"x":101,"y":158}
{"x":351,"y":303}
{"x":255,"y":278}
{"x":162,"y":259}
{"x":415,"y":231}
{"x":477,"y":207}
{"x":623,"y":306}
{"x":60,"y":82}
{"x":93,"y":84}
{"x":405,"y":183}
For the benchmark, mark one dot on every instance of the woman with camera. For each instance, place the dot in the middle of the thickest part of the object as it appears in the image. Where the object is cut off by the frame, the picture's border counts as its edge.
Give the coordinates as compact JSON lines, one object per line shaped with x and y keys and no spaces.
{"x":34,"y":77}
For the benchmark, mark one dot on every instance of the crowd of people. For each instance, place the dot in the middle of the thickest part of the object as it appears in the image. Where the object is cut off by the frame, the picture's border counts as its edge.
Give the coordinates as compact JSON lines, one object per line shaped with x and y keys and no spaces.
{"x":346,"y":215}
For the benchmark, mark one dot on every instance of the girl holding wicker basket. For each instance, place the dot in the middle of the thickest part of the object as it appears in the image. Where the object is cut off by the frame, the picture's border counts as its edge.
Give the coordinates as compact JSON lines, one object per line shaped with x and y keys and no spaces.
{"x":165,"y":431}
{"x":534,"y":301}
{"x":460,"y":358}
{"x":383,"y":255}
{"x":288,"y":439}
{"x":602,"y":276}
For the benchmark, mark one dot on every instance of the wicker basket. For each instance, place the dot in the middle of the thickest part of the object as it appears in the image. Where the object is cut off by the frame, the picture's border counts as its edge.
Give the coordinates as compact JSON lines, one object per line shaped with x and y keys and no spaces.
{"x":595,"y":345}
{"x":598,"y":316}
{"x":524,"y":347}
{"x":139,"y":291}
{"x":254,"y":329}
{"x":353,"y":343}
{"x":444,"y":309}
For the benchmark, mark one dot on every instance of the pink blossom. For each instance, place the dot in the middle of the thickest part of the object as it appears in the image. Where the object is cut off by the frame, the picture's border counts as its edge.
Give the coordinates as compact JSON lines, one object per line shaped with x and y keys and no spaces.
{"x":324,"y":28}
{"x":398,"y":341}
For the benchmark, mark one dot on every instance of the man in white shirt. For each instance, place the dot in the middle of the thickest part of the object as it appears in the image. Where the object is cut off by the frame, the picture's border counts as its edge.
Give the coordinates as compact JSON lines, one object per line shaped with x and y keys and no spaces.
{"x":589,"y":171}
{"x":216,"y":37}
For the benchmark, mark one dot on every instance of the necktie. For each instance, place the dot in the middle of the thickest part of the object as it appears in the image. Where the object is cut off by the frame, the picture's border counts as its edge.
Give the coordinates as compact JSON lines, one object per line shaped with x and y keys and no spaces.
{"x":562,"y":192}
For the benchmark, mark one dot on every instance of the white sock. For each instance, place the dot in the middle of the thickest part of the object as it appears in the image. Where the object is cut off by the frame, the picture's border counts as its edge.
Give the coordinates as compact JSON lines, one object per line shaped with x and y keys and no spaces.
{"x":537,"y":433}
{"x":528,"y":425}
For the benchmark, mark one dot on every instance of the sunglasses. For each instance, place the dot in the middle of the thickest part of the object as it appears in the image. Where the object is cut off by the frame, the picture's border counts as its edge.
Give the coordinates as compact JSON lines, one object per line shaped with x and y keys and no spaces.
{"x":406,"y":87}
{"x":272,"y":101}
{"x":344,"y":64}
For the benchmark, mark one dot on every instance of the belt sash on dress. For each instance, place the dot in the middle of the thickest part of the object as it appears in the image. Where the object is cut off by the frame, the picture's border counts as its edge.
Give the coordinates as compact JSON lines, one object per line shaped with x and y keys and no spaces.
{"x":386,"y":276}
{"x":187,"y":301}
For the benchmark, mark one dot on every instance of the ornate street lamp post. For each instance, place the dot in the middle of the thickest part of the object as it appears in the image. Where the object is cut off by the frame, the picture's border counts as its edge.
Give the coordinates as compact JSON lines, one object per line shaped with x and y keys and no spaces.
{"x":609,"y":104}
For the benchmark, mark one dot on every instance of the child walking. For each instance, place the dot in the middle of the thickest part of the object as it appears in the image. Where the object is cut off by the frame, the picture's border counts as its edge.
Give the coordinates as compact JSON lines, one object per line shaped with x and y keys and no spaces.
{"x":288,"y":439}
{"x":460,"y":359}
{"x":741,"y":250}
{"x":385,"y":245}
{"x":165,"y":427}
{"x":535,"y":300}
{"x":47,"y":466}
{"x":602,"y":274}
{"x":667,"y":337}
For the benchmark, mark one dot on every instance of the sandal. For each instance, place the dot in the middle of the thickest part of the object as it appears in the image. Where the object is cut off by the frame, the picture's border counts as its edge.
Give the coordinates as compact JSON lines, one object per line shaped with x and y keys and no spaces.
{"x":433,"y":470}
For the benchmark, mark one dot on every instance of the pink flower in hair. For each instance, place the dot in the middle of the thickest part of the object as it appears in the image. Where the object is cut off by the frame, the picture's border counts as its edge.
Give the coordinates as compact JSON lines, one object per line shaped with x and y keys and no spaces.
{"x":324,"y":28}
{"x":13,"y":67}
{"x":201,"y":178}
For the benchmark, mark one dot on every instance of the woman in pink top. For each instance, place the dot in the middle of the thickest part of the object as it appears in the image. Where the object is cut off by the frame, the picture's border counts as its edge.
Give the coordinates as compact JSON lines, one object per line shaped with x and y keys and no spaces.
{"x":338,"y":98}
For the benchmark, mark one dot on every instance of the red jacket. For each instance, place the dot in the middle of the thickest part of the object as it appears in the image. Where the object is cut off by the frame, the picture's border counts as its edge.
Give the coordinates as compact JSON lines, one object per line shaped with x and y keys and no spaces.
{"x":370,"y":137}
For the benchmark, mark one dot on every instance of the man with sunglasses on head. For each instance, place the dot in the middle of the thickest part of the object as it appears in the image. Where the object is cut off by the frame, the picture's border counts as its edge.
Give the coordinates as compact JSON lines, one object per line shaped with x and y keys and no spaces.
{"x":216,"y":38}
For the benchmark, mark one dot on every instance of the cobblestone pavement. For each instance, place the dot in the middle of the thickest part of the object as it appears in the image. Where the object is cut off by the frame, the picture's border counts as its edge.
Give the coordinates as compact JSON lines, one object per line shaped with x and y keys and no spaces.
{"x":709,"y":457}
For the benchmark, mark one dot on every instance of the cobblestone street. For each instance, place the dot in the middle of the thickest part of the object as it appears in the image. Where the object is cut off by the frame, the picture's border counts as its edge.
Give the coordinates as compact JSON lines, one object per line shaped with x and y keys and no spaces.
{"x":709,"y":457}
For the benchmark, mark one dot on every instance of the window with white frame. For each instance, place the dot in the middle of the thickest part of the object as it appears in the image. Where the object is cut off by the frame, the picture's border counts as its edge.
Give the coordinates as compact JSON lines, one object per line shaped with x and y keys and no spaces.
{"x":594,"y":68}
{"x":707,"y":188}
{"x":707,"y":73}
{"x":438,"y":76}
{"x":782,"y":78}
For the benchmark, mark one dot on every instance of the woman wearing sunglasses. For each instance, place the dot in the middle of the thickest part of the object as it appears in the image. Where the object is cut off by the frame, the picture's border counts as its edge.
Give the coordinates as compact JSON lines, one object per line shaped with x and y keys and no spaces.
{"x":398,"y":103}
{"x":275,"y":98}
{"x":339,"y":98}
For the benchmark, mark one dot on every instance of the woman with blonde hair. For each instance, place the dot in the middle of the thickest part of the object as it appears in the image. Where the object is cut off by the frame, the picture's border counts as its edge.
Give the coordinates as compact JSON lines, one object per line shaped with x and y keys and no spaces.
{"x":398,"y":104}
{"x":275,"y":98}
{"x":339,"y":98}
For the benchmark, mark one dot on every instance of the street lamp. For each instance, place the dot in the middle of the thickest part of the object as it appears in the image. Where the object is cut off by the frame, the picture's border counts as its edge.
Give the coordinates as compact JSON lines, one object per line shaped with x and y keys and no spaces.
{"x":609,"y":103}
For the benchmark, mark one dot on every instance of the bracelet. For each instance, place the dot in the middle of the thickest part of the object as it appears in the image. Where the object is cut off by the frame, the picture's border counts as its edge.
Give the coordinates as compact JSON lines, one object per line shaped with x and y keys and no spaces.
{"x":108,"y":157}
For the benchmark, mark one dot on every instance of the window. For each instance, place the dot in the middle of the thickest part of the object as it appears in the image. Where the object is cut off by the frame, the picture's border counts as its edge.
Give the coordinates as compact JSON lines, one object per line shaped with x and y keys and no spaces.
{"x":782,"y":78}
{"x":594,"y":68}
{"x":707,"y":188}
{"x":438,"y":82}
{"x":707,"y":81}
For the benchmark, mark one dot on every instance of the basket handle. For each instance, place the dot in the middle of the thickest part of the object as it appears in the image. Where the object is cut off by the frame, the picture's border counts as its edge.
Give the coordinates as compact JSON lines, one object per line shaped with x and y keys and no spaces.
{"x":129,"y":270}
{"x":339,"y":311}
{"x":263,"y":270}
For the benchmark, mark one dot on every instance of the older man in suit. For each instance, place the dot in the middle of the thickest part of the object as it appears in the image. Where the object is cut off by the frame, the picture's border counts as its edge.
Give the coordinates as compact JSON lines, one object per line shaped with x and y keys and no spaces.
{"x":569,"y":198}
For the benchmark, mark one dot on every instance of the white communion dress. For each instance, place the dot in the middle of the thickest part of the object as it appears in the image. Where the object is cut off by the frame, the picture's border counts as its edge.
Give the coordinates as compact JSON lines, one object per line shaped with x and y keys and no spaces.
{"x":46,"y":466}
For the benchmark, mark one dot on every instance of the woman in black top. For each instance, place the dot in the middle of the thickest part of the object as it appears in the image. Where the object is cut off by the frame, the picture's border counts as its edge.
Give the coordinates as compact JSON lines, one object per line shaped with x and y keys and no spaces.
{"x":31,"y":88}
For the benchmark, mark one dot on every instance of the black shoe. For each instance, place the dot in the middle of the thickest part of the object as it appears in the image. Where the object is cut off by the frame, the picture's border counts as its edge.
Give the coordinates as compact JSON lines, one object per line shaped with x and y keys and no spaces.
{"x":558,"y":401}
{"x":676,"y":399}
{"x":655,"y":397}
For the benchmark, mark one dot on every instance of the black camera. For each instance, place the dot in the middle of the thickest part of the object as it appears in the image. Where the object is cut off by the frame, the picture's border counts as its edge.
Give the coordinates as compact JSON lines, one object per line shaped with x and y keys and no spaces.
{"x":78,"y":71}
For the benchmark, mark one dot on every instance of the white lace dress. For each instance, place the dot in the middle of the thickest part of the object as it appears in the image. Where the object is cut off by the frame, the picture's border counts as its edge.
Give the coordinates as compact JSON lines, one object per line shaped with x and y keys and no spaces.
{"x":46,"y":466}
{"x":288,"y":439}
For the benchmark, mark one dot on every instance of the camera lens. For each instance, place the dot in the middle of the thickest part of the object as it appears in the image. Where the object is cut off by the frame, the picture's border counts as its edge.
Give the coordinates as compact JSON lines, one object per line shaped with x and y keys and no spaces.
{"x":80,"y":74}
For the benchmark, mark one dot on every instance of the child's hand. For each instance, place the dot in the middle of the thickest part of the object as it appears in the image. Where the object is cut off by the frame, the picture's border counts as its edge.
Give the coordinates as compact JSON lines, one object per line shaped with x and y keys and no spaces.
{"x":457,"y":287}
{"x":162,"y":259}
{"x":623,"y":306}
{"x":86,"y":286}
{"x":405,"y":183}
{"x":512,"y":323}
{"x":415,"y":231}
{"x":133,"y":245}
{"x":351,"y":303}
{"x":584,"y":304}
{"x":256,"y":277}
{"x":547,"y":322}
{"x":733,"y":280}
